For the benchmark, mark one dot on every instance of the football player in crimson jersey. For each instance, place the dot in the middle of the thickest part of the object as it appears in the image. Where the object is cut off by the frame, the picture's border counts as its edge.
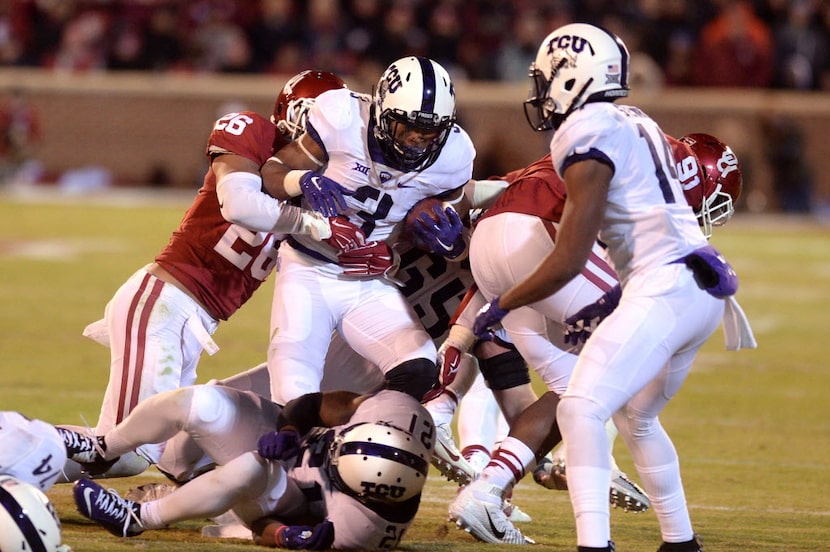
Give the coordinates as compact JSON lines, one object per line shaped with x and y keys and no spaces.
{"x":161,"y":319}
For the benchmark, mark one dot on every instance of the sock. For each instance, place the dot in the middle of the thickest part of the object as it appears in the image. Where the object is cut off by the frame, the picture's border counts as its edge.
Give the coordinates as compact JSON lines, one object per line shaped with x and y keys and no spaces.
{"x":477,"y":456}
{"x":507,"y":466}
{"x":442,"y":408}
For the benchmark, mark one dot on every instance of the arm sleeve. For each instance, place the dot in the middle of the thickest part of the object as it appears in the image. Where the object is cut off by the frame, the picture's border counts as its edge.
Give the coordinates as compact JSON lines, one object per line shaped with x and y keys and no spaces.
{"x":242,"y":202}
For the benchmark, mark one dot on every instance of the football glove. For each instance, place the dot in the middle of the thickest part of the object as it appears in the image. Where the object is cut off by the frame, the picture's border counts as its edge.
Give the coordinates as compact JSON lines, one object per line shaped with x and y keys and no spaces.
{"x":449,"y":359}
{"x":344,"y":235}
{"x":323,"y":194}
{"x":279,"y":445}
{"x":488,"y":317}
{"x":580,"y":326}
{"x":306,"y":537}
{"x":443,"y":234}
{"x":375,"y":258}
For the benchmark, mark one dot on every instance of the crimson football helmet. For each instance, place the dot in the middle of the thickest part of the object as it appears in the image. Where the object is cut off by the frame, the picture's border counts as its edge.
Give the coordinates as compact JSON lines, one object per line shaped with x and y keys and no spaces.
{"x":713,"y":193}
{"x":297,"y":97}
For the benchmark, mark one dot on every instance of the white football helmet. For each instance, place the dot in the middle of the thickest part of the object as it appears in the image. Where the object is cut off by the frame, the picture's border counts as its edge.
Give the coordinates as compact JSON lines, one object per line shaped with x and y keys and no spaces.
{"x":28,"y":520}
{"x":379,"y":462}
{"x":417,"y":92}
{"x":576,"y":64}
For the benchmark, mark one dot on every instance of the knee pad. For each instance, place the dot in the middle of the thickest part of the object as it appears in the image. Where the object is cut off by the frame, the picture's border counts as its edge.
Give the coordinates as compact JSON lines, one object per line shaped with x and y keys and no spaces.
{"x":504,"y":371}
{"x":414,"y":377}
{"x":211,"y":409}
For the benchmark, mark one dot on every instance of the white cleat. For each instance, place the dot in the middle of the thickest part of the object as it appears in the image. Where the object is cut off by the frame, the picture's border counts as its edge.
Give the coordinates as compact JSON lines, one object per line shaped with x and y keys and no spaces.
{"x":479,"y":510}
{"x":515,"y":514}
{"x":624,"y":493}
{"x":627,"y":495}
{"x":448,"y":459}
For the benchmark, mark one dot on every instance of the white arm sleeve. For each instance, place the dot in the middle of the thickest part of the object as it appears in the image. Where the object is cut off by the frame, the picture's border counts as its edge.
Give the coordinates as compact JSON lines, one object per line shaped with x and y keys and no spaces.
{"x":242,"y":202}
{"x":483,"y":193}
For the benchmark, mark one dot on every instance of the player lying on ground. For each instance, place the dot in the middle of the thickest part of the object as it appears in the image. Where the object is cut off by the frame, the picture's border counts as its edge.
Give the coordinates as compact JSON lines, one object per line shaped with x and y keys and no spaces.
{"x":342,"y":470}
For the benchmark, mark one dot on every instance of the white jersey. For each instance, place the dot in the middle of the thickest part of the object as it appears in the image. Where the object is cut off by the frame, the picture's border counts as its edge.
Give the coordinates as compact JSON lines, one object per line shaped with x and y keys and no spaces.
{"x":360,"y":525}
{"x":30,"y":450}
{"x":647,"y":221}
{"x":381,"y":195}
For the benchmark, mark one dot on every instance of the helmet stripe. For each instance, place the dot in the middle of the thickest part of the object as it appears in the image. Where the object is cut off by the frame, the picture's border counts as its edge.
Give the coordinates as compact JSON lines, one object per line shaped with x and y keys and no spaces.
{"x":386,"y":452}
{"x":430,"y":91}
{"x":24,"y":524}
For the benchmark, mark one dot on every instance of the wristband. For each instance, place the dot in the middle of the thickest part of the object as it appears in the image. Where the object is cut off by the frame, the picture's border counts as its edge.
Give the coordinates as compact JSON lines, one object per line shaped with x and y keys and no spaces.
{"x":278,"y":536}
{"x":291,"y":182}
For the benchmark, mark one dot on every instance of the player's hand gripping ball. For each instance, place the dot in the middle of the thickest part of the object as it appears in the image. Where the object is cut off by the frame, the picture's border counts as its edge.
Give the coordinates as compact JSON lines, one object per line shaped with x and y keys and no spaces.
{"x":436,"y":228}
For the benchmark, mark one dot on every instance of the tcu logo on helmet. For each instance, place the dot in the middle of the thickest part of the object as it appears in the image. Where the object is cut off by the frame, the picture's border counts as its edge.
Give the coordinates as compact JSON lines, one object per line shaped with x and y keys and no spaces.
{"x":392,"y":492}
{"x":727,"y":163}
{"x":393,"y":79}
{"x":574,"y":43}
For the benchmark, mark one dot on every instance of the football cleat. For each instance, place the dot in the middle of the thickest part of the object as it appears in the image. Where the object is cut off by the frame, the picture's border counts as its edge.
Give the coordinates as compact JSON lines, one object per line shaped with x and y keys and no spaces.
{"x":694,"y":545}
{"x":149,"y":492}
{"x":448,"y":459}
{"x":115,"y":514}
{"x":87,"y":450}
{"x":551,"y":474}
{"x":515,"y":514}
{"x":626,"y":494}
{"x":479,"y":510}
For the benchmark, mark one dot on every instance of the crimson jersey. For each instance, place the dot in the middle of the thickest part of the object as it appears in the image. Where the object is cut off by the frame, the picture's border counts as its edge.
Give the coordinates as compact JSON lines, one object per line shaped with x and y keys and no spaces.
{"x":222,"y":264}
{"x":534,"y":190}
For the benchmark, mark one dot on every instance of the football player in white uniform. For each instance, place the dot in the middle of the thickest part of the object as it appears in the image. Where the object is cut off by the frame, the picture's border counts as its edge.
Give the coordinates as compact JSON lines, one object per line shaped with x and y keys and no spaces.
{"x":342,"y":470}
{"x":622,"y":185}
{"x":32,"y":451}
{"x":370,"y":159}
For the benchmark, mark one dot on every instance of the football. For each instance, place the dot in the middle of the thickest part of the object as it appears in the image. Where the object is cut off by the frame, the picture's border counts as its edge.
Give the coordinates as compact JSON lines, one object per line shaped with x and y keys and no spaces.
{"x":424,"y":206}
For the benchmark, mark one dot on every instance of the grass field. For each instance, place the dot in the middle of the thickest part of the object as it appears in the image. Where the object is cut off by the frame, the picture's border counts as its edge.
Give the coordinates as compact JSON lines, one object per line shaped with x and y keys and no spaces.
{"x":752,"y":427}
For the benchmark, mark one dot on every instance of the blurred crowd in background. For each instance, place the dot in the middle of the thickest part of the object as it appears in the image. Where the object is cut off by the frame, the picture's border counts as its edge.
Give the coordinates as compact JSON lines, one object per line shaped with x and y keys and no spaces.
{"x":757,"y":43}
{"x":770,"y":44}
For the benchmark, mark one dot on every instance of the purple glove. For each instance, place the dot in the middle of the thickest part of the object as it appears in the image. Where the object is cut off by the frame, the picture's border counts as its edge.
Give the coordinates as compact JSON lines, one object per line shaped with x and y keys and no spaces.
{"x":489,"y":315}
{"x":306,"y":537}
{"x":323,"y":194}
{"x":279,"y":445}
{"x":580,"y":326}
{"x":443,"y":234}
{"x":712,"y":272}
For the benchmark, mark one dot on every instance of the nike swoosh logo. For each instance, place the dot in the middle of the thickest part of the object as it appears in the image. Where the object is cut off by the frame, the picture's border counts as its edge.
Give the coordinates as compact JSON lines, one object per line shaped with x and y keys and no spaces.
{"x":88,"y":493}
{"x":445,"y":246}
{"x":499,"y":534}
{"x":400,"y":185}
{"x":449,"y":453}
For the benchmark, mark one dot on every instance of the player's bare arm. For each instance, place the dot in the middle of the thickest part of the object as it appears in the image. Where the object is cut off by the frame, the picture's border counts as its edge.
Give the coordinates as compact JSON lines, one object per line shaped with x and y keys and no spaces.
{"x":281,"y":173}
{"x":319,"y":410}
{"x":587,"y":185}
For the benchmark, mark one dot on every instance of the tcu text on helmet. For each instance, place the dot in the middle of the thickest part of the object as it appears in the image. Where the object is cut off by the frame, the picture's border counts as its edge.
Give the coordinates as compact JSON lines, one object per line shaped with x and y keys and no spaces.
{"x":393,"y":78}
{"x":380,"y":489}
{"x":576,"y":44}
